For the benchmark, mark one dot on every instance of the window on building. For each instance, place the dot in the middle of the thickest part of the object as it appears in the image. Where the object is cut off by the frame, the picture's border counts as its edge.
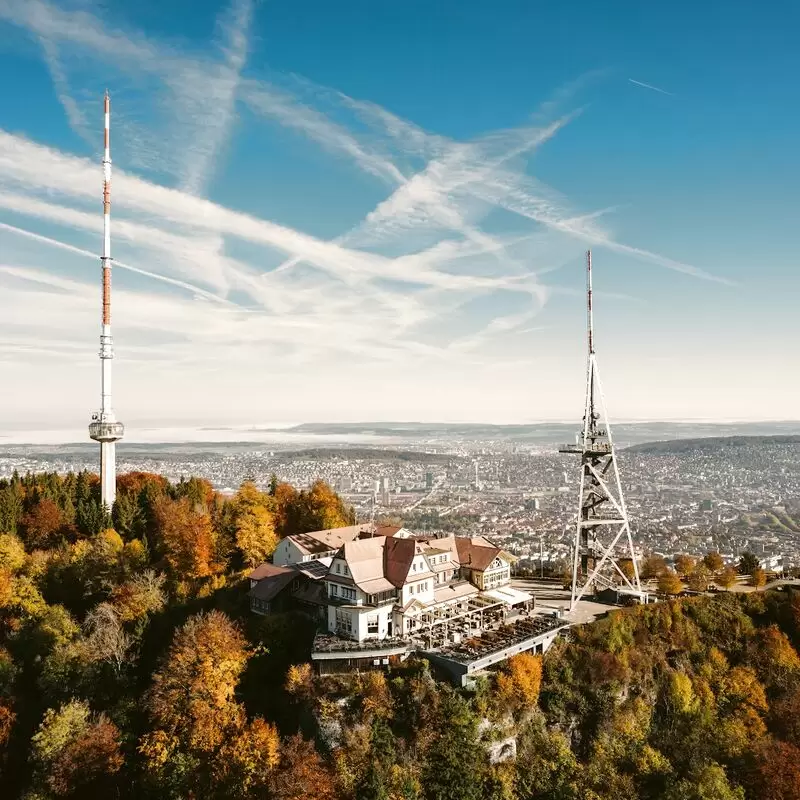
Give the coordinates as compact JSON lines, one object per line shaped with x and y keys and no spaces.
{"x":372,"y":624}
{"x":346,"y":570}
{"x":344,"y":622}
{"x":338,"y":568}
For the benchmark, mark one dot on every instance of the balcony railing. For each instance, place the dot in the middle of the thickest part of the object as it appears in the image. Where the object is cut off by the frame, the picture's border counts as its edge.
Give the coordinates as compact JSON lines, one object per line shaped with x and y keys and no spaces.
{"x":106,"y":431}
{"x":327,"y":643}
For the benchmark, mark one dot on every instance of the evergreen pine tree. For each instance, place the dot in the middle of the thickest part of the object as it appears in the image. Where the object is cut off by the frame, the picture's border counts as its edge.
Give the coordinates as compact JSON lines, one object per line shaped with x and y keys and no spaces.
{"x":453,"y":767}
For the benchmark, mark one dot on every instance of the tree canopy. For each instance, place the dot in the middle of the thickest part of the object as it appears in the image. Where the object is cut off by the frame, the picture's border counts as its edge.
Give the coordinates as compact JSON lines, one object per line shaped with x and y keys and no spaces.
{"x":131,"y":667}
{"x":748,"y":563}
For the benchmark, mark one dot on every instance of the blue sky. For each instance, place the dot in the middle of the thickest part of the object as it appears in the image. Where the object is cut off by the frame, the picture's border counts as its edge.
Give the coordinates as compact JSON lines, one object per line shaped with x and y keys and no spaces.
{"x":360,"y":210}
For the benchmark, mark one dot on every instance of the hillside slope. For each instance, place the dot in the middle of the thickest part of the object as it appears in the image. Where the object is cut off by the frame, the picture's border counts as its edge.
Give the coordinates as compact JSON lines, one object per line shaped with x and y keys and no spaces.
{"x":710,"y":443}
{"x":695,"y":699}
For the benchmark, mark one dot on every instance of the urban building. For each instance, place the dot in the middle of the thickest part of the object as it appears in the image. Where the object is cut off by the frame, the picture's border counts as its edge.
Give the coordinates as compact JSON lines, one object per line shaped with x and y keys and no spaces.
{"x":389,"y":591}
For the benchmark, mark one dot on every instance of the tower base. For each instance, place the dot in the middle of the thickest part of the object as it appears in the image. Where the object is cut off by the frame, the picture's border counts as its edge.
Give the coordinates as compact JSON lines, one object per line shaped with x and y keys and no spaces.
{"x":108,"y":473}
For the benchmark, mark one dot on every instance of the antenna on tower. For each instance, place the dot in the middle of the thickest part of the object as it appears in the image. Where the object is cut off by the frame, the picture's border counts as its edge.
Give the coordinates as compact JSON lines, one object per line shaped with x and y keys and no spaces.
{"x":603,"y":533}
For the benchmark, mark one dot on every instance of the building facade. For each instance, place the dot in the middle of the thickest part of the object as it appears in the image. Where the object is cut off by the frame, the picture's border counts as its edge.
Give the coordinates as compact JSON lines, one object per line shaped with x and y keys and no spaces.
{"x":387,"y":587}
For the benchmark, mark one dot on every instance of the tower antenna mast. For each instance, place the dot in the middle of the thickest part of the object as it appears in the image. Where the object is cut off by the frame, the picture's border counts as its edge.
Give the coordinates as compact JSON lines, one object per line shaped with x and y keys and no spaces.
{"x":603,"y":539}
{"x":104,"y":427}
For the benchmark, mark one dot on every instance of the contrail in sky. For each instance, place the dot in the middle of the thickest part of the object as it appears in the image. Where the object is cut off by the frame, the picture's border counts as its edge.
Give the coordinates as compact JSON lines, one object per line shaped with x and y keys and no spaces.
{"x":648,"y":86}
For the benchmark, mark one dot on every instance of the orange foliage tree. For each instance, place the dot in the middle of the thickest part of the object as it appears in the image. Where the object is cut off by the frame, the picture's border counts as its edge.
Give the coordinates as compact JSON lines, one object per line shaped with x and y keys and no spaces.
{"x":374,"y":692}
{"x":197,"y":719}
{"x":324,"y":508}
{"x":652,"y":567}
{"x":698,"y":580}
{"x":726,"y":578}
{"x":76,"y":752}
{"x":626,"y":565}
{"x":775,"y":771}
{"x":7,"y":717}
{"x":301,"y":773}
{"x":285,"y":509}
{"x":758,"y":578}
{"x":318,"y":508}
{"x":186,"y":538}
{"x":299,"y":680}
{"x":6,"y":588}
{"x":42,"y":524}
{"x":786,"y":717}
{"x":246,"y":759}
{"x":669,"y":583}
{"x":519,"y":682}
{"x":713,"y":561}
{"x":776,"y":660}
{"x":684,"y":564}
{"x":92,"y":758}
{"x":134,"y":482}
{"x":192,"y":691}
{"x":141,"y":595}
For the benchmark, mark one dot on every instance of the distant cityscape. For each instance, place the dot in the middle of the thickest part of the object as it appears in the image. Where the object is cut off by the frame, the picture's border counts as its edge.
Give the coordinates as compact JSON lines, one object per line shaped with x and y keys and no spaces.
{"x":683,"y":497}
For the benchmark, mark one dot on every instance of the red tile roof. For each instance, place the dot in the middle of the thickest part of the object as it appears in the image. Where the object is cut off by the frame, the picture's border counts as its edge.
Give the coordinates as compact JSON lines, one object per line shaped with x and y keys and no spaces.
{"x":397,"y":557}
{"x":475,"y":555}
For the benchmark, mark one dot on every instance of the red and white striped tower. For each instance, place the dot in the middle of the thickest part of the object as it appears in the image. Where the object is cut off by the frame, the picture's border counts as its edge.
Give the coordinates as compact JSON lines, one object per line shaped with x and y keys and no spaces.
{"x":104,"y":427}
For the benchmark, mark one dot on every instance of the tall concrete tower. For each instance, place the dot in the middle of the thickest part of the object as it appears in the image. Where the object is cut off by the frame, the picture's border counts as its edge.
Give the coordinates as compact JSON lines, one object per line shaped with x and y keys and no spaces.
{"x":104,"y":427}
{"x":603,"y":540}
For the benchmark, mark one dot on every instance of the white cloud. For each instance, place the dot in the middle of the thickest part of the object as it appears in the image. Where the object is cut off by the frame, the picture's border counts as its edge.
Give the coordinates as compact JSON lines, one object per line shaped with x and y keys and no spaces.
{"x":208,"y":102}
{"x":390,"y":297}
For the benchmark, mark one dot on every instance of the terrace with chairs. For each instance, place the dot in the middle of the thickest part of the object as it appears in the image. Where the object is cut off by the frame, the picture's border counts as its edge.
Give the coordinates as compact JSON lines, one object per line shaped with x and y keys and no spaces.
{"x":534,"y":633}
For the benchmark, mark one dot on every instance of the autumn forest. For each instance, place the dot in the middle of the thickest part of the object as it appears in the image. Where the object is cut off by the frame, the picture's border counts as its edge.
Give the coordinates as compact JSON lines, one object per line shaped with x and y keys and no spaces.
{"x":131,"y":667}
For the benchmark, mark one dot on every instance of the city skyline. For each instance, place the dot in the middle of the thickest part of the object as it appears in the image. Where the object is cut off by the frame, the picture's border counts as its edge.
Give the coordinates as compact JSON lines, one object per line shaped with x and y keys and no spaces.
{"x":301,"y":241}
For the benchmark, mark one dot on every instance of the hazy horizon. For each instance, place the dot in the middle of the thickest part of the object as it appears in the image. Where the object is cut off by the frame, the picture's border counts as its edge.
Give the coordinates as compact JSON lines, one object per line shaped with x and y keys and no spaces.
{"x":281,"y":433}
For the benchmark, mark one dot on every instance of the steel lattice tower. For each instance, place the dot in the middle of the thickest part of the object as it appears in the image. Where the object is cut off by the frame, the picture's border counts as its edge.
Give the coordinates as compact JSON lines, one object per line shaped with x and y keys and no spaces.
{"x":603,"y":533}
{"x":104,"y":427}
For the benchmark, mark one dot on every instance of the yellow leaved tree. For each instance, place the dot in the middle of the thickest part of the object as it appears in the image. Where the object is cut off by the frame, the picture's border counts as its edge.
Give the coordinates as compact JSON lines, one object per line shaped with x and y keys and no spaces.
{"x":255,"y":524}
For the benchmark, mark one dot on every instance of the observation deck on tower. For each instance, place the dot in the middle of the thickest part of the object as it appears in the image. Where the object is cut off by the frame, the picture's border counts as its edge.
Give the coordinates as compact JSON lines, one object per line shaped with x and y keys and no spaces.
{"x":105,"y":431}
{"x":592,"y":448}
